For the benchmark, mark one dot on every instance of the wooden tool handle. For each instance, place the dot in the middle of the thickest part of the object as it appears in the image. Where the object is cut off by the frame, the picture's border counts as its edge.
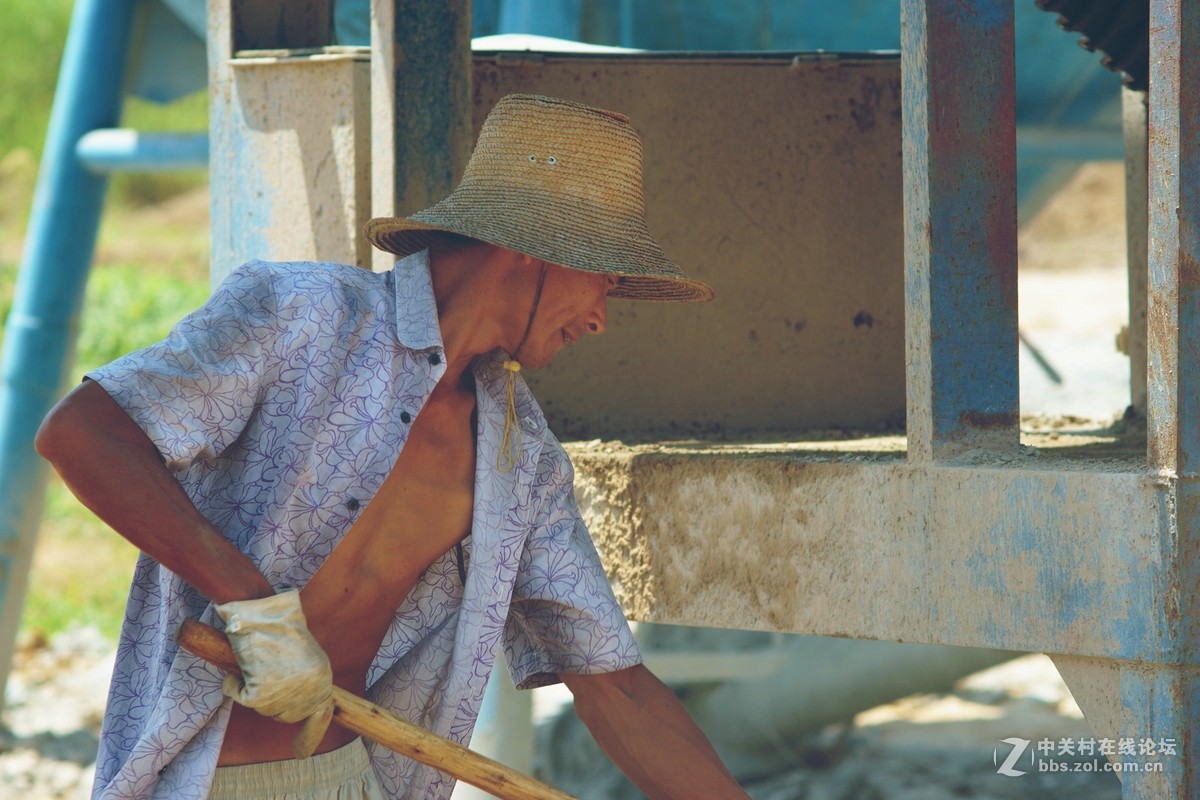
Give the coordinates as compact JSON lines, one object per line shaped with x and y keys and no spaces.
{"x":367,"y":719}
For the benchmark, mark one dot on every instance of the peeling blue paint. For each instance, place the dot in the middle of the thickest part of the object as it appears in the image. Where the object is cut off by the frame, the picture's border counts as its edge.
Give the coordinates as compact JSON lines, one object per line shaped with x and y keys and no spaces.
{"x":1070,"y":589}
{"x":1161,"y":703}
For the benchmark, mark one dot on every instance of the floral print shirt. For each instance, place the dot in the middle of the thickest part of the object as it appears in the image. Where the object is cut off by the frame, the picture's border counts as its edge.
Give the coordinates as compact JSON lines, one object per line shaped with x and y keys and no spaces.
{"x":280,"y":406}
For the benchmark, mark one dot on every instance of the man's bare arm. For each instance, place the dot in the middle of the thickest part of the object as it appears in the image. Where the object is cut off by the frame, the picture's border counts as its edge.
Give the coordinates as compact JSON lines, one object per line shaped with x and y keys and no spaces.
{"x":649,"y":735}
{"x":115,"y":470}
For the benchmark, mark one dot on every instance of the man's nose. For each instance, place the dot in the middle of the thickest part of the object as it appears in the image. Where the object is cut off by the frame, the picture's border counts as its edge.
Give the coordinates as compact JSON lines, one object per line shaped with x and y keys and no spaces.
{"x":598,"y":318}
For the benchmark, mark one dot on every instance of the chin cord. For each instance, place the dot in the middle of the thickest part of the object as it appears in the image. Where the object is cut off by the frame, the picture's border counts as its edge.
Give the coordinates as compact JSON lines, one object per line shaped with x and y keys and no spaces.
{"x":511,"y":442}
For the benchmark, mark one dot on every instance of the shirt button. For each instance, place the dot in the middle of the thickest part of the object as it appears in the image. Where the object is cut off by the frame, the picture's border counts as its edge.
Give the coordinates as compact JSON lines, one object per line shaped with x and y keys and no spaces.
{"x":352,"y":504}
{"x":435,"y":359}
{"x":405,"y":417}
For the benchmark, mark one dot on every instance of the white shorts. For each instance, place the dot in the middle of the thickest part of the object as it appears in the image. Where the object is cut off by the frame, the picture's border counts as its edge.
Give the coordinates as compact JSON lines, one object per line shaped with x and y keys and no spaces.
{"x":342,"y":774}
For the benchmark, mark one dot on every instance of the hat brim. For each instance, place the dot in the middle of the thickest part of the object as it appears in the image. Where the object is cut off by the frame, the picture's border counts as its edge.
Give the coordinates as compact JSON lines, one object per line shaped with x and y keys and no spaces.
{"x":645,"y":271}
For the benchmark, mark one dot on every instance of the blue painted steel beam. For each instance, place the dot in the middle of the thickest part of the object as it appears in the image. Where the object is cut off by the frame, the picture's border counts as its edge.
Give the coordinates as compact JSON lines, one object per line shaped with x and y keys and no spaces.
{"x":960,"y":218}
{"x":40,"y":331}
{"x":121,"y":149}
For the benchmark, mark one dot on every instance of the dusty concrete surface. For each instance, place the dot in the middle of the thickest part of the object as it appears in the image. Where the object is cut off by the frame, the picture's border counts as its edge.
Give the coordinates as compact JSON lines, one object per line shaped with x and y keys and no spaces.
{"x":1073,"y":304}
{"x":862,"y":544}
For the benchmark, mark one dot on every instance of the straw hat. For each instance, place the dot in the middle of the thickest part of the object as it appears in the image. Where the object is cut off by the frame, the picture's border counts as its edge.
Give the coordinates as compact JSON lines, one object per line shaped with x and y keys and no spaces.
{"x":558,"y":181}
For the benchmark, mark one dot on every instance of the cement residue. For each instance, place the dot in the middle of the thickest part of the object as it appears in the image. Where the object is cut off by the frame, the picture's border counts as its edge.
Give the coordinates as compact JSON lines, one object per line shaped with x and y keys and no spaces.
{"x":1117,"y":434}
{"x":1116,"y":443}
{"x":751,"y":542}
{"x":605,"y":497}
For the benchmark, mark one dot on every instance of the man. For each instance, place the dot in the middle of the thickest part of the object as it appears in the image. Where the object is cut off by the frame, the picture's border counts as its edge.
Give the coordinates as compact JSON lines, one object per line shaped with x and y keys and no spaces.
{"x":345,"y":468}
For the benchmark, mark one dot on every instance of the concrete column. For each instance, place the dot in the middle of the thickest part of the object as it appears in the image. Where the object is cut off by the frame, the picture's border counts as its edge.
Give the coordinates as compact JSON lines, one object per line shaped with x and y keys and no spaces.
{"x":289,"y":144}
{"x":1173,"y":322}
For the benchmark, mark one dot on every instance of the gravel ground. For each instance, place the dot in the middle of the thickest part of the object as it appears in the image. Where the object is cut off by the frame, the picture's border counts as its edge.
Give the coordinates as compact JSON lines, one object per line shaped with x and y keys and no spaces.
{"x":54,"y":702}
{"x":946,"y":746}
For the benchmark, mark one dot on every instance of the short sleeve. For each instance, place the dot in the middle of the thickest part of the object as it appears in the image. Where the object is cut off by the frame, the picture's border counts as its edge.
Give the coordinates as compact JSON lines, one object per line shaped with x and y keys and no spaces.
{"x":564,"y":616}
{"x":193,"y":392}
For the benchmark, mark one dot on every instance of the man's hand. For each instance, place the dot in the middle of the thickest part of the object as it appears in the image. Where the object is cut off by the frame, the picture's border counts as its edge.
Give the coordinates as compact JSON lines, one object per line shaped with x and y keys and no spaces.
{"x":285,"y":673}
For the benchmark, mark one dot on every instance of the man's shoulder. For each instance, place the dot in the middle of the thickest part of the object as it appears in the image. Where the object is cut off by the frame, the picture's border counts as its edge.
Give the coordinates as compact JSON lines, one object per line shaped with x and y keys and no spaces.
{"x":329,"y":272}
{"x":315,"y":283}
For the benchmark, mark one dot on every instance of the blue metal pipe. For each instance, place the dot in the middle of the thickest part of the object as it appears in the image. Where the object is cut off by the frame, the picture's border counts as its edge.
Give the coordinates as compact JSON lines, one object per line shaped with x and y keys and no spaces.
{"x":40,"y":331}
{"x":121,"y":149}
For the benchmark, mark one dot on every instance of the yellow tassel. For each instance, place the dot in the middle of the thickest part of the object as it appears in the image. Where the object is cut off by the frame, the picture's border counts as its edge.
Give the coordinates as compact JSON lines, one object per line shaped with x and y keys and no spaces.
{"x":511,"y":442}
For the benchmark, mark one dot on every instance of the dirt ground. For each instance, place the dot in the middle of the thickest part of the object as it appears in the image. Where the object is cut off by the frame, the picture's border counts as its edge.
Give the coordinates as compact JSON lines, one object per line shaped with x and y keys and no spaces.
{"x":1073,"y":303}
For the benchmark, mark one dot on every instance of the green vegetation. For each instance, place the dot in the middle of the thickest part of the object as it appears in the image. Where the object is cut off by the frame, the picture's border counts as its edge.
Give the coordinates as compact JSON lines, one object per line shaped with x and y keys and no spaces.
{"x":36,"y":31}
{"x":81,"y":568}
{"x":129,"y":307}
{"x":153,"y":270}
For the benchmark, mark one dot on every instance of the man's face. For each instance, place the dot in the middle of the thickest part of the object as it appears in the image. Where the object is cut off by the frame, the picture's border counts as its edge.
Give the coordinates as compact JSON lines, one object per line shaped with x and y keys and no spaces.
{"x":573,"y":304}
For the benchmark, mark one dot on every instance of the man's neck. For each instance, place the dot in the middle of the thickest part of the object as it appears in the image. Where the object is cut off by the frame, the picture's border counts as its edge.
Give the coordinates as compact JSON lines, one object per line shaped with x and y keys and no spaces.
{"x":480,"y":291}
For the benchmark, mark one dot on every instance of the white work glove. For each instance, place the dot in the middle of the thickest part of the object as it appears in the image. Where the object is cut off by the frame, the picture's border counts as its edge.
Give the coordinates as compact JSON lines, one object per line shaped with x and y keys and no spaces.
{"x":285,"y":673}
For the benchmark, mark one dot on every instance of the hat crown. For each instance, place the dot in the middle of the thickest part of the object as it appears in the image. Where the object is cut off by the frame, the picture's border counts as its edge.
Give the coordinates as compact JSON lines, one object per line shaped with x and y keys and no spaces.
{"x":563,"y":151}
{"x":559,"y":181}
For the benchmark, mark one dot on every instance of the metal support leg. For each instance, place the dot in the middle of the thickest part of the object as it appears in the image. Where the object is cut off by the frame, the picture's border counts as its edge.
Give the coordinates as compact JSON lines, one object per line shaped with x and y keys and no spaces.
{"x":1173,"y":314}
{"x":1149,"y":705}
{"x":1173,"y":318}
{"x":41,"y":328}
{"x":1162,"y":698}
{"x":960,"y":218}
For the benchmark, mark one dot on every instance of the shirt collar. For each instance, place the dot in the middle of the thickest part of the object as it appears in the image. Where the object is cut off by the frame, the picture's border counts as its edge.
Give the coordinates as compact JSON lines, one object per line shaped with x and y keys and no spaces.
{"x":416,"y":309}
